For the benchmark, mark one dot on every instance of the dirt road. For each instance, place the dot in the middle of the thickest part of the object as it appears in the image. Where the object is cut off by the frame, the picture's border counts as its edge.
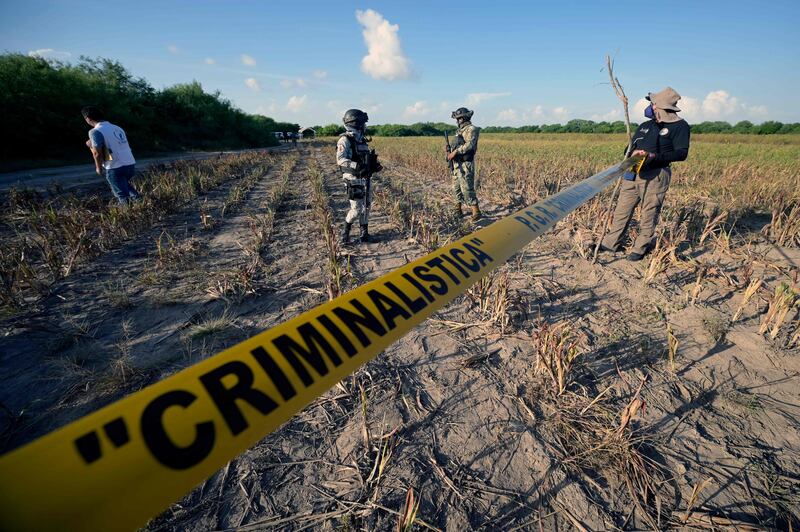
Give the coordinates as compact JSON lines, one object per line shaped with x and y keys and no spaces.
{"x":66,"y":177}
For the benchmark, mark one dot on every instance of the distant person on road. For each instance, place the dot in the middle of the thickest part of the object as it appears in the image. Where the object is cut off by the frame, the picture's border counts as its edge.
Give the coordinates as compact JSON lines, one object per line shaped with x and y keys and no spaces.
{"x":294,"y":138}
{"x":662,"y":139}
{"x":463,"y":158}
{"x":354,"y":159}
{"x":111,"y":151}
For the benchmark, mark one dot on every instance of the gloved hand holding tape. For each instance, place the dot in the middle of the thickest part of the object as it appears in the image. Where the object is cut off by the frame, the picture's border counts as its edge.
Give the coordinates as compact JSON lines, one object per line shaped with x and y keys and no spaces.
{"x":123,"y":464}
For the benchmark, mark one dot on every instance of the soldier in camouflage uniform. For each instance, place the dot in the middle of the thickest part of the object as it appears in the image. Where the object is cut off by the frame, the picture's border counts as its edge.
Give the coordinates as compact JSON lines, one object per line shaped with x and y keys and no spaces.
{"x":463,"y":158}
{"x":352,"y":151}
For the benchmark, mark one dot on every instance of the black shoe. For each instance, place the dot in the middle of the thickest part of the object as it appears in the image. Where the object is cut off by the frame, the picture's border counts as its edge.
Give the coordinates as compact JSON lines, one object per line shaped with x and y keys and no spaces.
{"x":346,"y":233}
{"x":363,"y":237}
{"x":635,"y":257}
{"x":604,"y":249}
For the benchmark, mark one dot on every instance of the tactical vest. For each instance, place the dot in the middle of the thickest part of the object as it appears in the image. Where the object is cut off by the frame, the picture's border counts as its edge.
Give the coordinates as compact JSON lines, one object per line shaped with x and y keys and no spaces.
{"x":470,"y":155}
{"x":360,"y":151}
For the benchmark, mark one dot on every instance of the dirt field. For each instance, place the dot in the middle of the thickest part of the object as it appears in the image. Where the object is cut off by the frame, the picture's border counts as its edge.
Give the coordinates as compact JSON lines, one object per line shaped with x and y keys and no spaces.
{"x":462,"y":410}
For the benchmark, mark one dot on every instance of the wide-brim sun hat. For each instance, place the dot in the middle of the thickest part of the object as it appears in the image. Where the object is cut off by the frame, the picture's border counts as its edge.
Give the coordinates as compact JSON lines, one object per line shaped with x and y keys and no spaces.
{"x":666,"y":99}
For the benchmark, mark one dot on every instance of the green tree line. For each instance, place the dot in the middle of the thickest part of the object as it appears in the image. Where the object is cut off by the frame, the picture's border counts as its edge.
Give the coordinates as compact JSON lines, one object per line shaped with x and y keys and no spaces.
{"x":41,"y":101}
{"x":573,"y":126}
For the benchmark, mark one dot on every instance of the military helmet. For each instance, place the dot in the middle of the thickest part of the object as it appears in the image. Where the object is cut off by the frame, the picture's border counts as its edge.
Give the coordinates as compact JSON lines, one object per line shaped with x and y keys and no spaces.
{"x":462,"y":112}
{"x":355,"y":118}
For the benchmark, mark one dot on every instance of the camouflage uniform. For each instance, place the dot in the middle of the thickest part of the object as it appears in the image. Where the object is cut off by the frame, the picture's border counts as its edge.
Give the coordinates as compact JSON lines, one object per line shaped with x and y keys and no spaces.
{"x":351,"y":149}
{"x":464,"y":164}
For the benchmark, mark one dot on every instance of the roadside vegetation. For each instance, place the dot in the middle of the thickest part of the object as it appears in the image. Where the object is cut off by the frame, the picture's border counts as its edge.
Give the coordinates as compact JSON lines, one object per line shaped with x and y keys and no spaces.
{"x":41,"y":100}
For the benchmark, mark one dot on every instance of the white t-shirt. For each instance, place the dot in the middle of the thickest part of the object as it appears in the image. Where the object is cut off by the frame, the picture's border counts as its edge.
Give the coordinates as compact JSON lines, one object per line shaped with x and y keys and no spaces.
{"x":105,"y":134}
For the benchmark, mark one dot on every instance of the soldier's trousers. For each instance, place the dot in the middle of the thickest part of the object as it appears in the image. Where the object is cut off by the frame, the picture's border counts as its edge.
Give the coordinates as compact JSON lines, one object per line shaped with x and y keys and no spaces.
{"x":650,"y":192}
{"x":359,"y":209}
{"x":464,"y":183}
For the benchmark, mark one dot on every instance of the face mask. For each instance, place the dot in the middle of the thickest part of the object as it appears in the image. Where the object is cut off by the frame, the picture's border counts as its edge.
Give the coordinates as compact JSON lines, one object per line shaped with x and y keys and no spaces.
{"x":648,"y":112}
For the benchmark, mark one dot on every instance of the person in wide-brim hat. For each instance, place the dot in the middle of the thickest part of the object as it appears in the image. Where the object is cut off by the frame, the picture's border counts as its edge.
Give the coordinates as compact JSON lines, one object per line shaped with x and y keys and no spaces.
{"x":661,"y":140}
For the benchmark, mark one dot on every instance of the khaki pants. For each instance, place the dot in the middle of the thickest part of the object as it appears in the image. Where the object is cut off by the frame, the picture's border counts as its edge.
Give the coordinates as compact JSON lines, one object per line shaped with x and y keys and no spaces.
{"x":651,"y":193}
{"x":464,"y":182}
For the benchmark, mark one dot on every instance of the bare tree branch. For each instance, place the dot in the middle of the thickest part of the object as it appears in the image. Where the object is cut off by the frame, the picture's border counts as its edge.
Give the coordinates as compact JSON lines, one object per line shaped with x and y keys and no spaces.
{"x":620,"y":92}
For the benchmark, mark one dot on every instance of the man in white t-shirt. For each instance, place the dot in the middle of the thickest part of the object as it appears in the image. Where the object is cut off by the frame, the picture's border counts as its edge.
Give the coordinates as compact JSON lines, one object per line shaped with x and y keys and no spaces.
{"x":111,"y":151}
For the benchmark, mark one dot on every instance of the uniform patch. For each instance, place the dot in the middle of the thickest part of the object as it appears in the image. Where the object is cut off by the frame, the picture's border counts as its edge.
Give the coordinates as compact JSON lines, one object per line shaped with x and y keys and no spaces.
{"x":664,"y":132}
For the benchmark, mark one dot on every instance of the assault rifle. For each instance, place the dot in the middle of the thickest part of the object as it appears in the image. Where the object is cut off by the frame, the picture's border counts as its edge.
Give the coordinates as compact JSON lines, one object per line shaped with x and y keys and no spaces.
{"x":448,"y":149}
{"x":371,"y":166}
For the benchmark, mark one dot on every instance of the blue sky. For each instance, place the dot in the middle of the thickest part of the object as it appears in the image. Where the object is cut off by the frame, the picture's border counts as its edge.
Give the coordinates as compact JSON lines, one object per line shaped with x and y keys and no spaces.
{"x":513,"y":62}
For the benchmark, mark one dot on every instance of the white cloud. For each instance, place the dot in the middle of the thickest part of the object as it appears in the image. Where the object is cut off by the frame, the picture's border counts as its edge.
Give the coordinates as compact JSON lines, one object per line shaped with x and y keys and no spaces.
{"x":416,"y":110}
{"x":611,"y":116}
{"x":336,"y":107}
{"x":720,"y":104}
{"x":210,"y":61}
{"x":537,"y":114}
{"x":690,"y":107}
{"x":476,"y":98}
{"x":320,"y":74}
{"x":49,"y":53}
{"x":267,"y":110}
{"x":370,"y":107}
{"x":252,"y":84}
{"x":248,"y":60}
{"x":296,"y":103}
{"x":297,"y":82}
{"x":173,"y":49}
{"x":385,"y":58}
{"x":508,"y":116}
{"x":560,"y":113}
{"x":758,"y":111}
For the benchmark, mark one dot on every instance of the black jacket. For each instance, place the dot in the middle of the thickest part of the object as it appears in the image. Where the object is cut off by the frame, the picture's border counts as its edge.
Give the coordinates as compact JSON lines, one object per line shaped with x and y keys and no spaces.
{"x":669,"y":141}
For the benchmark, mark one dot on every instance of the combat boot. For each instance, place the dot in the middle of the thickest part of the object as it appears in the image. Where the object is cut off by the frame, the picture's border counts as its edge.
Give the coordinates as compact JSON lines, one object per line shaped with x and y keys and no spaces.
{"x":363,"y":237}
{"x":476,"y":213}
{"x":346,"y":233}
{"x":457,"y":210}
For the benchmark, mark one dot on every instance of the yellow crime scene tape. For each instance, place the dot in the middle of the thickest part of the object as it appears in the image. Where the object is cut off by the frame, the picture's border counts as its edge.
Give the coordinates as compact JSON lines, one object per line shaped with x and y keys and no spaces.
{"x":120,"y":466}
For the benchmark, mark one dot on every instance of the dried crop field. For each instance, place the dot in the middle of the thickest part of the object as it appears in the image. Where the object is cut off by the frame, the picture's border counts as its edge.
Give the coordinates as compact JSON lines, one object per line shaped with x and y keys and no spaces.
{"x":555,"y":394}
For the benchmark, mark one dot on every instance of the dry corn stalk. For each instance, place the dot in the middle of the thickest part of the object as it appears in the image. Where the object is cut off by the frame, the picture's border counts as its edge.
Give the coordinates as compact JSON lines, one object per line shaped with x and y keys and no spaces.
{"x":785,"y":299}
{"x":751,"y":290}
{"x":712,"y":226}
{"x":784,"y":229}
{"x":698,"y":488}
{"x":406,"y":518}
{"x":557,"y":347}
{"x":365,"y":424}
{"x":663,"y":255}
{"x":705,"y":521}
{"x":672,"y":346}
{"x":698,"y":283}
